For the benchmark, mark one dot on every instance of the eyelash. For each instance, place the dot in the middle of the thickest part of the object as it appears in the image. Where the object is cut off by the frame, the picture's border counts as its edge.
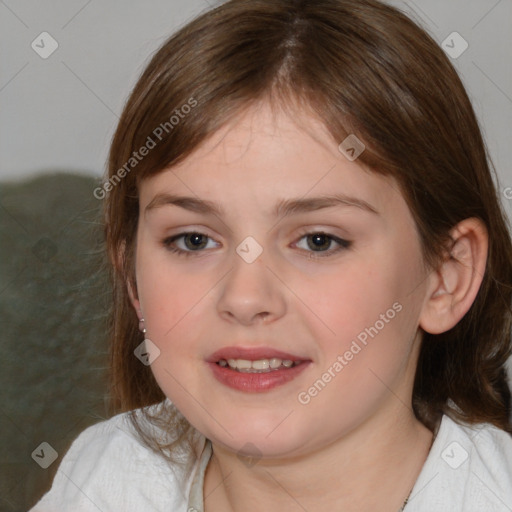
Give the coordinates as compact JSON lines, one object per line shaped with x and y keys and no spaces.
{"x":344,"y":244}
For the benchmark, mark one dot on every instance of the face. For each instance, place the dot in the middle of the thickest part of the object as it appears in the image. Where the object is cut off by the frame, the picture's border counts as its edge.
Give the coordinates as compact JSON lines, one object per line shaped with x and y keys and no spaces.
{"x":314,"y":301}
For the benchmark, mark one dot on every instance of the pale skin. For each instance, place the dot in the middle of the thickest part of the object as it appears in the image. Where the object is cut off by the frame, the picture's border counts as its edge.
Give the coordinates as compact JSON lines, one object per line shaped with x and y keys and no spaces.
{"x":356,"y":446}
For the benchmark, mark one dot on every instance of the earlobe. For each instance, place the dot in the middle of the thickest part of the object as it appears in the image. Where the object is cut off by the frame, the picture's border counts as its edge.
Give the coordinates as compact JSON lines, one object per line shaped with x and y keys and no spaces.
{"x":455,"y":284}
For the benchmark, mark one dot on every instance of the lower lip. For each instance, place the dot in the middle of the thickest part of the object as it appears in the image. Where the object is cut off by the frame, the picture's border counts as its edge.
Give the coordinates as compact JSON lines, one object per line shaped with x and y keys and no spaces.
{"x":256,"y":382}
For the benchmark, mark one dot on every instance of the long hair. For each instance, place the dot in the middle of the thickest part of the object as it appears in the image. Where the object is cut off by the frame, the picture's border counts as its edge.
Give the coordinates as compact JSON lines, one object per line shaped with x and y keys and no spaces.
{"x":363,"y":68}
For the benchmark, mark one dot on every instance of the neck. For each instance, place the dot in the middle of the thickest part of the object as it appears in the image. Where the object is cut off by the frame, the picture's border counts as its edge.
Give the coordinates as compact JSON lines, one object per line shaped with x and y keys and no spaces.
{"x":374,"y":467}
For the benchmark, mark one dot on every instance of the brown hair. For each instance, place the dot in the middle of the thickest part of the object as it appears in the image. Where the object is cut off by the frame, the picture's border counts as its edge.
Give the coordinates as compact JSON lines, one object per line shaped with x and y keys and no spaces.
{"x":364,"y":68}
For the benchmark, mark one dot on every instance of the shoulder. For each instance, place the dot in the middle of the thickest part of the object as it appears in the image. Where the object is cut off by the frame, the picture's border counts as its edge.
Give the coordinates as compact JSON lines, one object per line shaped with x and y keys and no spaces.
{"x":109,"y":468}
{"x":469,"y":468}
{"x":489,"y":458}
{"x":486,"y":439}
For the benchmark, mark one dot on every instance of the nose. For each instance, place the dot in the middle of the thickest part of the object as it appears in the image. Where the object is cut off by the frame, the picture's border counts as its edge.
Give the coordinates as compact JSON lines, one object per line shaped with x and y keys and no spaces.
{"x":251,"y":293}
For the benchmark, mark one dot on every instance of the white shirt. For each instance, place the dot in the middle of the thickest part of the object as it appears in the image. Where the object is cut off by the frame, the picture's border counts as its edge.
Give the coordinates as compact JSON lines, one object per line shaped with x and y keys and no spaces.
{"x":107,"y":469}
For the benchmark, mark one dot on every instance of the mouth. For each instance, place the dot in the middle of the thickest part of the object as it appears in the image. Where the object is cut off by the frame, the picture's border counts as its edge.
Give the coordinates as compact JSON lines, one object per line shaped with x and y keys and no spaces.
{"x":255,"y":369}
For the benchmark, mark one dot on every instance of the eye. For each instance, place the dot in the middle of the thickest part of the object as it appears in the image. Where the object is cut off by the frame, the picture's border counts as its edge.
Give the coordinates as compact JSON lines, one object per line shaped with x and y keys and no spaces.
{"x":320,"y":242}
{"x":193,"y":242}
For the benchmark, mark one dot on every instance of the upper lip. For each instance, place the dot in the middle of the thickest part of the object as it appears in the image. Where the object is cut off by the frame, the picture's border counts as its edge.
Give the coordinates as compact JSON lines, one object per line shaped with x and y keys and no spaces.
{"x":252,"y":354}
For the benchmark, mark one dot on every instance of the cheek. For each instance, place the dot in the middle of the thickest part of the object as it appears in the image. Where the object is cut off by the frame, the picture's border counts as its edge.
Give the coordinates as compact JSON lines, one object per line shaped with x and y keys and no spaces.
{"x":368,"y":318}
{"x":361,"y":361}
{"x":179,"y":310}
{"x":351,"y":299}
{"x":171,"y":304}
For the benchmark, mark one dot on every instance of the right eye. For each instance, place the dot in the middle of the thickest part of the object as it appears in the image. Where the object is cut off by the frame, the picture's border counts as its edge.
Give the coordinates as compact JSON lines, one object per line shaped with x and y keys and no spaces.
{"x":193,"y":242}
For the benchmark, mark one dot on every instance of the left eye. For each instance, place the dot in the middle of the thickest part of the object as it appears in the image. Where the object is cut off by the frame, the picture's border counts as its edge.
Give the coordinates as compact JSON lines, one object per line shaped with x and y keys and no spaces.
{"x":320,"y":242}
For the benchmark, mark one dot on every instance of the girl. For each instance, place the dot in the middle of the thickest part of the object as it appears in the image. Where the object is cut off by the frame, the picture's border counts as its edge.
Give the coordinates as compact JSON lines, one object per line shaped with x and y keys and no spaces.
{"x":312,"y":276}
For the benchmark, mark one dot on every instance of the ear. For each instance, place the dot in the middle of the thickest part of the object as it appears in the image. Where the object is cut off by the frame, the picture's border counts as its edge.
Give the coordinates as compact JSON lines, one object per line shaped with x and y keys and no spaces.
{"x":134,"y":299}
{"x":454,"y":286}
{"x":132,"y":293}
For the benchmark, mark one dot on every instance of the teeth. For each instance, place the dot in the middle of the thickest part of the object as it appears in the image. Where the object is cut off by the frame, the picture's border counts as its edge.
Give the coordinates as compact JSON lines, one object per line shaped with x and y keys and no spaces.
{"x":261,"y":364}
{"x":275,"y":362}
{"x":258,"y":366}
{"x":243,"y":364}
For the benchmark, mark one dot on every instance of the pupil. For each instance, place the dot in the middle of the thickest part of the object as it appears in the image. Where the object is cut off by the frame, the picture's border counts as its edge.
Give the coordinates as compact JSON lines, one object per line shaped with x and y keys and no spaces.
{"x":319,"y":238}
{"x":194,"y":237}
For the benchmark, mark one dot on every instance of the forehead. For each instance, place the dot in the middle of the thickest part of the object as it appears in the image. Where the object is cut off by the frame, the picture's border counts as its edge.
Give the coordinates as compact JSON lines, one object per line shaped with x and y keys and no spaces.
{"x":263,"y":156}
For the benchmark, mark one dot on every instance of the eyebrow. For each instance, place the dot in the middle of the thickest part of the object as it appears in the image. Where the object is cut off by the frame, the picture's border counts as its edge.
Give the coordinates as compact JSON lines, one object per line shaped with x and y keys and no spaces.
{"x":283,"y":208}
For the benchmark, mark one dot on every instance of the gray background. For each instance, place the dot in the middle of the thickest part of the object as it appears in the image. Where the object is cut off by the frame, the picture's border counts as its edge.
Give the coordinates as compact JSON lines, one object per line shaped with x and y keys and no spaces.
{"x":60,"y":113}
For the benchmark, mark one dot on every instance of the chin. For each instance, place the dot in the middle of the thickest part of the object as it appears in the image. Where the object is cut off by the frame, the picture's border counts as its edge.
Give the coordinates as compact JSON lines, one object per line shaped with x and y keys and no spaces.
{"x":263,"y":438}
